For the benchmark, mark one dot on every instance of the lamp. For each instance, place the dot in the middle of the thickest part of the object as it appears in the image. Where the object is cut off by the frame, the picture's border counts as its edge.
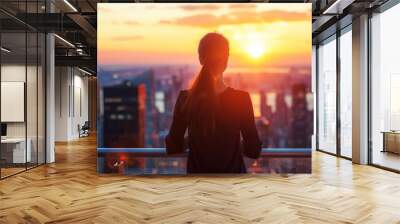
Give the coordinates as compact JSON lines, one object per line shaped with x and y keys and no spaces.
{"x":5,"y":50}
{"x":70,"y":5}
{"x":64,"y":40}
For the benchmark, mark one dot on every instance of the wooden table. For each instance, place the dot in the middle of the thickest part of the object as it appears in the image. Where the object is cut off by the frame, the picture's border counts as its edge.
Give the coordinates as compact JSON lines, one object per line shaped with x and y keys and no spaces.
{"x":391,"y":141}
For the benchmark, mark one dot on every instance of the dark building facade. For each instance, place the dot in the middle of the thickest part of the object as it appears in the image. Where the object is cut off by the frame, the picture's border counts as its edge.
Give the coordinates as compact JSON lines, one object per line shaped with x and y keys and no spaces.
{"x":124,"y":112}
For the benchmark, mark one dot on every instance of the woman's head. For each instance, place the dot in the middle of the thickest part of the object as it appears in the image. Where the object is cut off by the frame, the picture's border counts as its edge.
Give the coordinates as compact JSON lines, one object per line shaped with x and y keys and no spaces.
{"x":202,"y":101}
{"x":214,"y":52}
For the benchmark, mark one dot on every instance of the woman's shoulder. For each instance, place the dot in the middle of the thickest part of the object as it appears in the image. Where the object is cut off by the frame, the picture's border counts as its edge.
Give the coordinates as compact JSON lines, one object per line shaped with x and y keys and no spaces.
{"x":237,"y":92}
{"x":184,"y":93}
{"x":230,"y":90}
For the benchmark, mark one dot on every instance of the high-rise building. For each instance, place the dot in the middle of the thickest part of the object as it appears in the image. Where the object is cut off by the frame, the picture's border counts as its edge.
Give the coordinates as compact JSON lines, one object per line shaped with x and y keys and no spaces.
{"x":124,"y":112}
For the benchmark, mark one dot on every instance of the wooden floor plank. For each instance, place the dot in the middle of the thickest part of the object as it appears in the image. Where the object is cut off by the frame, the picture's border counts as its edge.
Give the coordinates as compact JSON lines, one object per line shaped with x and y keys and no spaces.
{"x":70,"y":191}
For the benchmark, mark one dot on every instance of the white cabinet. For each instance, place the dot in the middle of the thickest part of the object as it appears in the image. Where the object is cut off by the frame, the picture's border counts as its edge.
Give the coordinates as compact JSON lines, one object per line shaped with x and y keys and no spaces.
{"x":19,"y":155}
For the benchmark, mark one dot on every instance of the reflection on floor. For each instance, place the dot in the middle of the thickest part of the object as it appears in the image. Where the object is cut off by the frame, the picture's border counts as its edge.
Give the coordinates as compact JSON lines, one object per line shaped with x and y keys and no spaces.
{"x":387,"y":159}
{"x":10,"y":169}
{"x":71,"y":191}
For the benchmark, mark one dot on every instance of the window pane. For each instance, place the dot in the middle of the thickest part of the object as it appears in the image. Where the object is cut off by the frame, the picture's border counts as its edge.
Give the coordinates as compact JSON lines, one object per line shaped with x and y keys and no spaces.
{"x":14,"y":153}
{"x":385,"y":89}
{"x":346,"y":94}
{"x":31,"y":100}
{"x":327,"y":96}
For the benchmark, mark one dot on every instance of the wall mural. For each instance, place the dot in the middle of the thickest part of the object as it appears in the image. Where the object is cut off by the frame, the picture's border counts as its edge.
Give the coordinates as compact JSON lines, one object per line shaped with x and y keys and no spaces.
{"x":204,"y":88}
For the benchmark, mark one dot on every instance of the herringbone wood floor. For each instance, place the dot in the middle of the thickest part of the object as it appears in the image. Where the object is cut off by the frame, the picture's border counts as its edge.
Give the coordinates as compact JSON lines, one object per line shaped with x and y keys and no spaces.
{"x":70,"y":191}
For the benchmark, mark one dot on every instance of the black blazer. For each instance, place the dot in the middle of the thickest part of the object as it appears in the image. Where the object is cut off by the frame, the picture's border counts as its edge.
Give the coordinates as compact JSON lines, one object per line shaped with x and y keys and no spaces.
{"x":223,"y":152}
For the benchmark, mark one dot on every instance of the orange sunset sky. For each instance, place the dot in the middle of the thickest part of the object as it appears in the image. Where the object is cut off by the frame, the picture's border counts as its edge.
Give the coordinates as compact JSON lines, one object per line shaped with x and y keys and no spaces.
{"x":260,"y":34}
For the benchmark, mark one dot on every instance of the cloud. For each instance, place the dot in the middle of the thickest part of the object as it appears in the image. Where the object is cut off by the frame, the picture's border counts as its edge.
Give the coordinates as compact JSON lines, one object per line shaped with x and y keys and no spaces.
{"x":200,"y":7}
{"x":242,"y":6}
{"x":131,"y":23}
{"x":104,"y":9}
{"x":207,"y":20}
{"x":127,"y":38}
{"x":127,"y":23}
{"x":200,"y":20}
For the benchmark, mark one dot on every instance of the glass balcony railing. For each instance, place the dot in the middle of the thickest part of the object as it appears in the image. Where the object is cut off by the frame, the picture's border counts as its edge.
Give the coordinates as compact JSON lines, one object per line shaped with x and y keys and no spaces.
{"x":142,"y":161}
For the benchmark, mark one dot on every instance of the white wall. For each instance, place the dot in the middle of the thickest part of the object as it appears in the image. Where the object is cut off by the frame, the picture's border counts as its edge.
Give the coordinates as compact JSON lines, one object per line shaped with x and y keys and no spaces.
{"x":71,"y":94}
{"x":15,"y":73}
{"x":81,"y":104}
{"x":33,"y":127}
{"x":62,"y":82}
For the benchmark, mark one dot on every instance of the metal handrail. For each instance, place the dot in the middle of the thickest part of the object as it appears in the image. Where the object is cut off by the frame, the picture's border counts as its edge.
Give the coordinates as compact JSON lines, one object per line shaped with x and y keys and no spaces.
{"x":161,"y":152}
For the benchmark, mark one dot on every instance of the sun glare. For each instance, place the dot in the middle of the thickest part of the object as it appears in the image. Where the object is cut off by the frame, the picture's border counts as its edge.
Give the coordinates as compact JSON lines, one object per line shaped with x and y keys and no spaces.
{"x":255,"y":49}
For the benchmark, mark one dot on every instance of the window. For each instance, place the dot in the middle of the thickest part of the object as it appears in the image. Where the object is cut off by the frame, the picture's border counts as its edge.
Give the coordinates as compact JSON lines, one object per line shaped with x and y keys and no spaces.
{"x":346,"y":93}
{"x":23,"y":77}
{"x":327,"y":95}
{"x":385,"y":89}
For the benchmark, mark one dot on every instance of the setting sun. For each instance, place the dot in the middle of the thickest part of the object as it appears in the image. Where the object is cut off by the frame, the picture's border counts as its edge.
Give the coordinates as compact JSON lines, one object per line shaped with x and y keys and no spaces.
{"x":260,"y":36}
{"x":255,"y":50}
